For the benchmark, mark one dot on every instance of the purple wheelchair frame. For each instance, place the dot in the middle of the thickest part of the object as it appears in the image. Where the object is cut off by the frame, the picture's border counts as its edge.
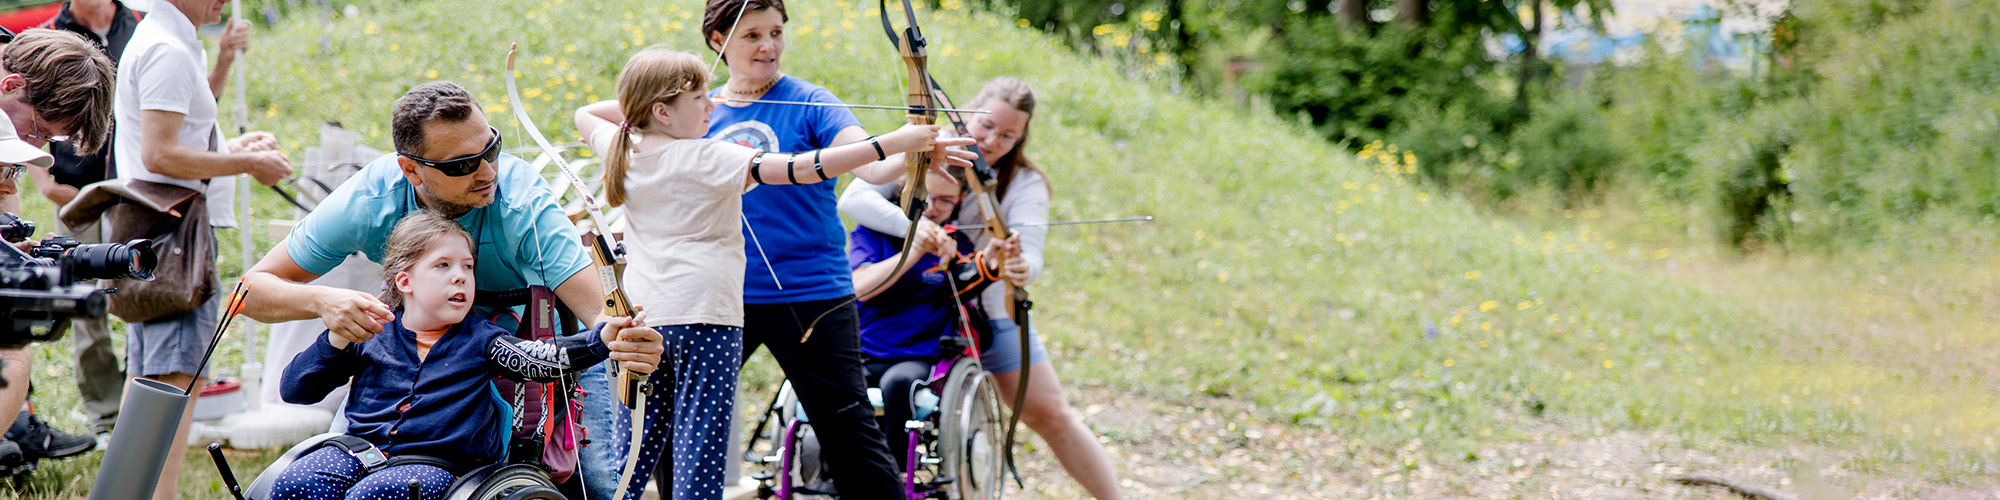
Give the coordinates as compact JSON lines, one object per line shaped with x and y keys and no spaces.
{"x":788,"y":443}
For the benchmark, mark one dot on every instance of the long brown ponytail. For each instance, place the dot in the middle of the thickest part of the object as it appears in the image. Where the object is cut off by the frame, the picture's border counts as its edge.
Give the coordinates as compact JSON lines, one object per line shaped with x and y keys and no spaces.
{"x":655,"y":75}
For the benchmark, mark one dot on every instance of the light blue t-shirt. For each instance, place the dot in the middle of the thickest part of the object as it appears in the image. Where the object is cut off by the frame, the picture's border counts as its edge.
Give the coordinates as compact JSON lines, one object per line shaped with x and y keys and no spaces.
{"x":797,"y":225}
{"x":523,"y":237}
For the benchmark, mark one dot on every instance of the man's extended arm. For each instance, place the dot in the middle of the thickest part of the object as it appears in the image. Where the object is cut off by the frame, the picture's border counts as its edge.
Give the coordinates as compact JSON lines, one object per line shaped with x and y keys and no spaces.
{"x":583,"y":294}
{"x":283,"y":294}
{"x":161,"y":152}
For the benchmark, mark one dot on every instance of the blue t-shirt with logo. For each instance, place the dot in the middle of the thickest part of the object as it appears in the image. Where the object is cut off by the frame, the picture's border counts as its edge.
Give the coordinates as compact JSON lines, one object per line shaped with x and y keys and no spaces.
{"x":797,"y":226}
{"x":906,"y":319}
{"x":523,"y":237}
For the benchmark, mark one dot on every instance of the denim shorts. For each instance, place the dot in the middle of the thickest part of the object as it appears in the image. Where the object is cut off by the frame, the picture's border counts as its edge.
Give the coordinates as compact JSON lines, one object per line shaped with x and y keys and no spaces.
{"x":1004,"y":355}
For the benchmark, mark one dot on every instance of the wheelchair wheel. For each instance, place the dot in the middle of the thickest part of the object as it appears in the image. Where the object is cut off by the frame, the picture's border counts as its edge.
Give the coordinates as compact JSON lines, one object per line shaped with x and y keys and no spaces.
{"x":969,"y":432}
{"x":790,"y":461}
{"x":505,"y":482}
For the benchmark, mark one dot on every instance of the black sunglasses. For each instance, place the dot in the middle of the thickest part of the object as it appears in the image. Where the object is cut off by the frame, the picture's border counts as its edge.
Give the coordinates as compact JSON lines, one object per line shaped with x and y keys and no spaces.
{"x":463,"y":165}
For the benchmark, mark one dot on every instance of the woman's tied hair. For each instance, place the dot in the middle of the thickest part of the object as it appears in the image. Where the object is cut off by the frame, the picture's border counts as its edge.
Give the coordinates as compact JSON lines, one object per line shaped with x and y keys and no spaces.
{"x":1018,"y":95}
{"x":412,"y":237}
{"x":652,"y":76}
{"x":67,"y":79}
{"x":721,"y":15}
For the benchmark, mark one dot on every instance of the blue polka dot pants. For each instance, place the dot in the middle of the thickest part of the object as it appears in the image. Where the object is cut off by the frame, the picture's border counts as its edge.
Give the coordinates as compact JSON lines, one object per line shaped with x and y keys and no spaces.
{"x":694,"y":393}
{"x":330,"y":473}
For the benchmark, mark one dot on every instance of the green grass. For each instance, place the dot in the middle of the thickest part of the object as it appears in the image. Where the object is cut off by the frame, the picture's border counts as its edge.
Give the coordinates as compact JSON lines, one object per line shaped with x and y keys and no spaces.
{"x":1330,"y":291}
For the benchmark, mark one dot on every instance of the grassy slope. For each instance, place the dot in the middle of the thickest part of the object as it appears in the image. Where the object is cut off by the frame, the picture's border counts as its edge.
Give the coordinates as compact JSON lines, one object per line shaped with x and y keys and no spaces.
{"x":1327,"y":290}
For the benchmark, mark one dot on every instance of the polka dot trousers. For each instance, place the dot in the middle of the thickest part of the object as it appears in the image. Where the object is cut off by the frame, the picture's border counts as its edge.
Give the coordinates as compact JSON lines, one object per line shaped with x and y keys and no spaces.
{"x":694,"y":393}
{"x":330,"y":473}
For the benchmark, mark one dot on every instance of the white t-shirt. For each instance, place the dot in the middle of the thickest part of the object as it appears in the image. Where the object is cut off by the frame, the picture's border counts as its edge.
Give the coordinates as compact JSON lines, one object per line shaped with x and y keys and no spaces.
{"x":684,"y":230}
{"x":1027,"y":203}
{"x":164,"y":68}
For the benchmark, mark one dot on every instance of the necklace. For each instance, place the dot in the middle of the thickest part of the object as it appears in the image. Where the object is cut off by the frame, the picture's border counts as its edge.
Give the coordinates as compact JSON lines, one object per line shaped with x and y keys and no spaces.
{"x":760,"y":90}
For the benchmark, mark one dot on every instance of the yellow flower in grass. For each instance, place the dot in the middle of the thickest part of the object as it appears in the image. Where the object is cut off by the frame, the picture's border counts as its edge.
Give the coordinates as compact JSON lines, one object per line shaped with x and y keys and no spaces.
{"x":1488,"y":305}
{"x":1472,"y":275}
{"x":1524,"y":305}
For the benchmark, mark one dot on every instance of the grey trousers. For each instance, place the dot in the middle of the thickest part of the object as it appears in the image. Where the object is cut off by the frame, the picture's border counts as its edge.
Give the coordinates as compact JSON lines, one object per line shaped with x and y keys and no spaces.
{"x":99,"y":378}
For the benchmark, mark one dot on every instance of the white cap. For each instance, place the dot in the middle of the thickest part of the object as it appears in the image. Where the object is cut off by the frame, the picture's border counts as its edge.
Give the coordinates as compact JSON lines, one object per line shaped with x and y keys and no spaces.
{"x":14,"y":151}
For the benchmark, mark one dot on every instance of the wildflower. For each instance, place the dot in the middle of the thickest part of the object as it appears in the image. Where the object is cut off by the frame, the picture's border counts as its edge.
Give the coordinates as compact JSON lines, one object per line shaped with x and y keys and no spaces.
{"x":1485,"y":306}
{"x":1472,"y":275}
{"x":1608,"y":364}
{"x":1524,"y":305}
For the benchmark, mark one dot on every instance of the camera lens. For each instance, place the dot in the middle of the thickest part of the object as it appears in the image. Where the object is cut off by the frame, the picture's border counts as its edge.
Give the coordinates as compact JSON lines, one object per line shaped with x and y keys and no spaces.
{"x":111,"y":261}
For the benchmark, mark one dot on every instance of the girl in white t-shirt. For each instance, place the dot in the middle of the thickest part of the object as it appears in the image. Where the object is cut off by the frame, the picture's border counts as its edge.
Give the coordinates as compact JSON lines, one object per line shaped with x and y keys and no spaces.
{"x":683,"y":206}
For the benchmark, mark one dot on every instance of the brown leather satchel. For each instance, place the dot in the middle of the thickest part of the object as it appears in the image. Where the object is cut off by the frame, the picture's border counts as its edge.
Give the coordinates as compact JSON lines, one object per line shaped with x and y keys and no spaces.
{"x":175,"y":219}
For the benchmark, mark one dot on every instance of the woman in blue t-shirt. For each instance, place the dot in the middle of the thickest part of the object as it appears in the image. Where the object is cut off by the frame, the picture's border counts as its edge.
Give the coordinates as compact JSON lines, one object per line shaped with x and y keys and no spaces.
{"x":795,"y":241}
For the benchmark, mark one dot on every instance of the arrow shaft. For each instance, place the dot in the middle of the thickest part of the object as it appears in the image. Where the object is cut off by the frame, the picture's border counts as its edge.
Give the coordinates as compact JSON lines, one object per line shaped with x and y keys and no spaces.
{"x":862,"y":106}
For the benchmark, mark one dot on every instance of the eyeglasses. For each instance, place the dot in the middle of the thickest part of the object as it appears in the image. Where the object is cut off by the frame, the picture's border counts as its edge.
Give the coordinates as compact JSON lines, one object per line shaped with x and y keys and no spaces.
{"x":10,"y":172}
{"x":43,"y":134}
{"x":463,"y":165}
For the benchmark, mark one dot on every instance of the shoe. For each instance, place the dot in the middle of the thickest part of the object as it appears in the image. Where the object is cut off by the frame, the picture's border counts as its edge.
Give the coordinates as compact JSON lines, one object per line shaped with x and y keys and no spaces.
{"x":12,"y":461}
{"x":38,"y":441}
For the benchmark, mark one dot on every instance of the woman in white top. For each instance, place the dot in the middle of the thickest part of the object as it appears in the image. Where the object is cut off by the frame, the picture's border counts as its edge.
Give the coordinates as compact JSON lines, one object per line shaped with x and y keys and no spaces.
{"x":1024,"y":193}
{"x":683,"y":212}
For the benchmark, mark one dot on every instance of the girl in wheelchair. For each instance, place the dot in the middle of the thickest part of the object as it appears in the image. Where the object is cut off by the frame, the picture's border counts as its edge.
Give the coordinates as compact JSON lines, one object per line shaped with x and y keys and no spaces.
{"x":417,"y":417}
{"x":903,"y":324}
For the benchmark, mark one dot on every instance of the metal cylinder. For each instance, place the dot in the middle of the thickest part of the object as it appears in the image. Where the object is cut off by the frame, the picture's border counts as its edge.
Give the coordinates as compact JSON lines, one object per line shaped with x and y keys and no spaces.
{"x":147,"y":421}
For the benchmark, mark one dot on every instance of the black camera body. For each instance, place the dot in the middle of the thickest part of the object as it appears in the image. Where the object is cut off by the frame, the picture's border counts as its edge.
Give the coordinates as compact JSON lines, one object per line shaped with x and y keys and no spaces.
{"x":55,"y":280}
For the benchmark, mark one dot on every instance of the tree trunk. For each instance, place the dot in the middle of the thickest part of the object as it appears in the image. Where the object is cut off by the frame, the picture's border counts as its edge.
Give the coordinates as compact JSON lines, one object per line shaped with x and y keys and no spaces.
{"x":1184,"y":44}
{"x":1413,"y":13}
{"x":1354,"y":13}
{"x":1530,"y":59}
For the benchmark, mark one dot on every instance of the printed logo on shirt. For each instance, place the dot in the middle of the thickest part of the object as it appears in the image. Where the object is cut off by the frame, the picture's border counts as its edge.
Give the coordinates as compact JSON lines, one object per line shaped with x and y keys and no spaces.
{"x":751,"y":134}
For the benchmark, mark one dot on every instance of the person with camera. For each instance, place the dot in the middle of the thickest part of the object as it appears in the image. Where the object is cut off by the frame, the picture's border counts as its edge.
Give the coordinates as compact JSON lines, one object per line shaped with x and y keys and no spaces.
{"x":54,"y":87}
{"x":167,"y":141}
{"x":109,"y":25}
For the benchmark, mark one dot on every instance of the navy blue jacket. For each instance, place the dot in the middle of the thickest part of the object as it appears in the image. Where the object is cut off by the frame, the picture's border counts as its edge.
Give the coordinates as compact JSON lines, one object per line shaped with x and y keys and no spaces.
{"x":445,"y":405}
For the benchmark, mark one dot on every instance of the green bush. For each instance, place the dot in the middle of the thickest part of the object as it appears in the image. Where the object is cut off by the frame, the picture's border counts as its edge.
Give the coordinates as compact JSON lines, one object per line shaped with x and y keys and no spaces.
{"x":1356,"y":87}
{"x":1566,"y":146}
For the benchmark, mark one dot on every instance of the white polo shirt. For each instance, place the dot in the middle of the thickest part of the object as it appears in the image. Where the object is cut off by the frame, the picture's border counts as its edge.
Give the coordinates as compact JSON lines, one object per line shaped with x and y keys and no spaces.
{"x":164,"y":68}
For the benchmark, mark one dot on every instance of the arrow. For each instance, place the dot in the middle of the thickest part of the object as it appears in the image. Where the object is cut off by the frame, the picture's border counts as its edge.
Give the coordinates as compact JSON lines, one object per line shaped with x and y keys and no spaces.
{"x":863,"y":106}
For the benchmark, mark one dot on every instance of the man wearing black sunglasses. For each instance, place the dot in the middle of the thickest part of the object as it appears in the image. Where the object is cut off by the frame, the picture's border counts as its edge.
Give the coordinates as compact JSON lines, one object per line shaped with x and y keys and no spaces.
{"x":447,"y":160}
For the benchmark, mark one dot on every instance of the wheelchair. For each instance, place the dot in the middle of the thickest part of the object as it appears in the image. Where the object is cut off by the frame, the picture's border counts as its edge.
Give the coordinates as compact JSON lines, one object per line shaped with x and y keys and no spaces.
{"x":955,"y":435}
{"x":519,"y":476}
{"x":496,"y":481}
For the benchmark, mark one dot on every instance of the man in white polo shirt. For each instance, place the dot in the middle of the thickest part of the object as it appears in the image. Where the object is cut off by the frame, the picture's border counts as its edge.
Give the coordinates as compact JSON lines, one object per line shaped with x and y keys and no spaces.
{"x":166,"y":132}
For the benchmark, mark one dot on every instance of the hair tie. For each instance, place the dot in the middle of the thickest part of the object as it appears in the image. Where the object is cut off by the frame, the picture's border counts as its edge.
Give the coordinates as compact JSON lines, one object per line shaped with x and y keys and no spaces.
{"x":625,"y":127}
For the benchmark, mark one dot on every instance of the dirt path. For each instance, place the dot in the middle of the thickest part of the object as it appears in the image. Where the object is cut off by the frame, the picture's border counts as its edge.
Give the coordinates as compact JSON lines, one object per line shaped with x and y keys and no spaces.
{"x":1197,"y":449}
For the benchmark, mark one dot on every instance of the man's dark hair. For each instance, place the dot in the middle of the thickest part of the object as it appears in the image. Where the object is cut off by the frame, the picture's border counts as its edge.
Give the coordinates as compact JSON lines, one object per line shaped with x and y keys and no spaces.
{"x":423,"y":104}
{"x":67,"y":79}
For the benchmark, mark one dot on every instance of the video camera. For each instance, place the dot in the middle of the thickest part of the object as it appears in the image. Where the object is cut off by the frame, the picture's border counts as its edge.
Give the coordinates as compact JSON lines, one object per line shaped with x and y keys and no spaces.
{"x":42,"y":288}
